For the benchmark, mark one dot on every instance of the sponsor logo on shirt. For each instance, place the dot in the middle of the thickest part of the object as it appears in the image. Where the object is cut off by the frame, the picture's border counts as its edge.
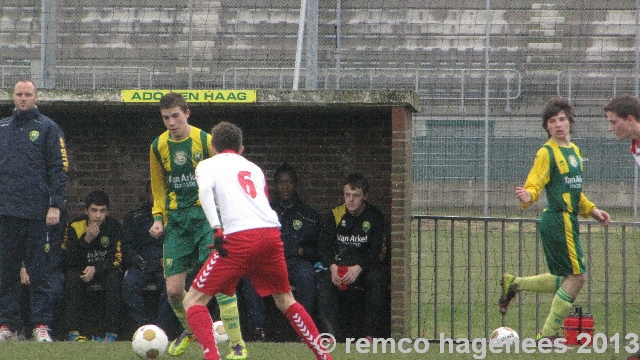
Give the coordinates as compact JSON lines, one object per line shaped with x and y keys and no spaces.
{"x":182,"y":181}
{"x":574,"y":182}
{"x":96,"y":256}
{"x":353,"y":240}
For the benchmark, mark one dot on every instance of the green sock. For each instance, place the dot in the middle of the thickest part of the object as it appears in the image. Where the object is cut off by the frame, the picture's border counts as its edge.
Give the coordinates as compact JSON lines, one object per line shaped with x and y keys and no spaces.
{"x":543,"y":283}
{"x":181,"y":314}
{"x":230,"y":318}
{"x":560,"y":308}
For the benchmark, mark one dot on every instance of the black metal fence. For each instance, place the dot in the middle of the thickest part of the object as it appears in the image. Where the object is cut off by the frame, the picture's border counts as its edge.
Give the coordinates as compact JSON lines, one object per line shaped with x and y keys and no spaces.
{"x":458,"y":262}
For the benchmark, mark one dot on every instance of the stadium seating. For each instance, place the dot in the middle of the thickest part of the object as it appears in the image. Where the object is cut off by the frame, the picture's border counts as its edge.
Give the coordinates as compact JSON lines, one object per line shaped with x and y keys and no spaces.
{"x":578,"y":50}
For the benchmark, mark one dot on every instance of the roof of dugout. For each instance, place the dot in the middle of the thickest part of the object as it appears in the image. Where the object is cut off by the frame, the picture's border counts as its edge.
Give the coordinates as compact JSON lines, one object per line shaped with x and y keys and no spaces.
{"x":267,"y":98}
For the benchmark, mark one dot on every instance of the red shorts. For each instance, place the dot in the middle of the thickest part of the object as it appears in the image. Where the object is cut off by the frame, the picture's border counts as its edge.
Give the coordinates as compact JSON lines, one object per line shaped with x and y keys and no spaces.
{"x":257,"y":254}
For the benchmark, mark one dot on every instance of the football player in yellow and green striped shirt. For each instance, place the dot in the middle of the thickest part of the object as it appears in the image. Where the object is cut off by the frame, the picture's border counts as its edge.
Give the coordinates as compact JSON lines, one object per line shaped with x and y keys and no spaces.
{"x":179,"y":217}
{"x":557,"y":170}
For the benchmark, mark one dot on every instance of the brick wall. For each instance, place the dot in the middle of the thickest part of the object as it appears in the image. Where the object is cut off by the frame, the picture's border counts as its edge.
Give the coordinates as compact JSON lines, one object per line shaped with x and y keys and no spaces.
{"x":109,"y":149}
{"x":401,"y":175}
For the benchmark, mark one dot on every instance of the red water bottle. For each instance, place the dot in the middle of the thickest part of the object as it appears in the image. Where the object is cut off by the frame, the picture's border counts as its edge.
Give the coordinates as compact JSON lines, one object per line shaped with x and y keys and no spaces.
{"x":586,"y":327}
{"x":342,"y":270}
{"x":571,"y":326}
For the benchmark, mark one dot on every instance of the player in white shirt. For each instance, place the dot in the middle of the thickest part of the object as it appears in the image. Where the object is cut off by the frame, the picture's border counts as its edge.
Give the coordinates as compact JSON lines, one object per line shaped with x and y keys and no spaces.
{"x":238,"y":187}
{"x":623,"y":114}
{"x":251,"y":245}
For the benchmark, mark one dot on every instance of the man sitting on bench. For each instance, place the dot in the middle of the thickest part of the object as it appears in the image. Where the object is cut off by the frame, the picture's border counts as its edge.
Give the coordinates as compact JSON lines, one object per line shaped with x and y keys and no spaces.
{"x":355,"y":249}
{"x":92,"y":255}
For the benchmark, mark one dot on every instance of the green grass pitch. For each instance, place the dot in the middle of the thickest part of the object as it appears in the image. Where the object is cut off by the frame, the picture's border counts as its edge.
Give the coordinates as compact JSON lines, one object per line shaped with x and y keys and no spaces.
{"x":121,"y":350}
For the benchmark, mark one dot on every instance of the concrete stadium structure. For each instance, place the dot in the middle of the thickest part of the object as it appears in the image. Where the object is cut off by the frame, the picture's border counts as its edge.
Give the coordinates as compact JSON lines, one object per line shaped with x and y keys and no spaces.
{"x":538,"y":40}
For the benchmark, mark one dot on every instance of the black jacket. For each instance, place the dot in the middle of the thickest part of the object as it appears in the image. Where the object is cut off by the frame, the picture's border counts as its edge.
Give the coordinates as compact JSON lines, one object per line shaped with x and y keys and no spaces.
{"x":301,"y":227}
{"x":137,"y":244}
{"x":103,"y":252}
{"x":350,"y":240}
{"x":33,"y":165}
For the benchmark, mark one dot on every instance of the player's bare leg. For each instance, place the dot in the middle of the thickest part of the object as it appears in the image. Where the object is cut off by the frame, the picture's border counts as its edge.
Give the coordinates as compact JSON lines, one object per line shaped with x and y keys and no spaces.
{"x":302,"y":323}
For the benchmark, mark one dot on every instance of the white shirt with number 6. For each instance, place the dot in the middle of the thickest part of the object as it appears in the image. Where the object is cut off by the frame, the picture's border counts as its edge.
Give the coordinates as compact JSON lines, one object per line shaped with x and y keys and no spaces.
{"x":239,"y":189}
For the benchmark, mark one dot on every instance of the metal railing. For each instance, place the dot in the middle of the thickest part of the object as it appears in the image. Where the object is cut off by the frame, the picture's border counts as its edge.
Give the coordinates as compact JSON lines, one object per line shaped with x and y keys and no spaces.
{"x":595,"y":85}
{"x":84,"y":77}
{"x":459,"y":261}
{"x":103,"y":77}
{"x":10,"y":74}
{"x":430,"y":84}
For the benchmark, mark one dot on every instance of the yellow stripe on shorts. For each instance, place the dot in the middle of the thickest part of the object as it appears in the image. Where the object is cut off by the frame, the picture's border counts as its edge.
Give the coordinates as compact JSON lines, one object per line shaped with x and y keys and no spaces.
{"x":571,"y":245}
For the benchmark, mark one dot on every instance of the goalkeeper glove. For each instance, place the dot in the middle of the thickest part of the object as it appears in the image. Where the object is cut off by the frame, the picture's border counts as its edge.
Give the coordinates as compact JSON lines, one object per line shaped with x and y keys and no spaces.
{"x":218,"y":243}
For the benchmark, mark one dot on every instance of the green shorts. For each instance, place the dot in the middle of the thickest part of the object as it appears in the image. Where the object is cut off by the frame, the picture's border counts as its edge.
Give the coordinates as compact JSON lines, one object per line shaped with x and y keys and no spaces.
{"x":561,"y":243}
{"x":186,"y":237}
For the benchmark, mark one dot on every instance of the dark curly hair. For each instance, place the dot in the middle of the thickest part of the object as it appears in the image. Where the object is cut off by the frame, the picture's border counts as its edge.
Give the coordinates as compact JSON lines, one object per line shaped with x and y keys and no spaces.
{"x":553,"y":107}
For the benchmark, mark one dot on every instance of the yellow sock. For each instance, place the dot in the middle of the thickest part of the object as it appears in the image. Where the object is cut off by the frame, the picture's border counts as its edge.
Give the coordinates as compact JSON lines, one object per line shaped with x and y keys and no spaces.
{"x":230,"y":318}
{"x":560,"y":308}
{"x":181,"y":314}
{"x":543,"y":283}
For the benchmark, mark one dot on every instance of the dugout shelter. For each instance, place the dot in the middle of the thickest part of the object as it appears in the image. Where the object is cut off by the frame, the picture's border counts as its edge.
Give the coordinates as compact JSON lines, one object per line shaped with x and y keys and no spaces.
{"x":324,"y":135}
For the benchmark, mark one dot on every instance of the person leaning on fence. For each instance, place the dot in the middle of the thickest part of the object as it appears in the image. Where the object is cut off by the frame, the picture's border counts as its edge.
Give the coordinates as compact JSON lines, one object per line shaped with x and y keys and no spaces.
{"x":33,"y":169}
{"x":354,"y":249}
{"x":623,"y":114}
{"x":557,"y":169}
{"x":92,"y":255}
{"x":143,"y":261}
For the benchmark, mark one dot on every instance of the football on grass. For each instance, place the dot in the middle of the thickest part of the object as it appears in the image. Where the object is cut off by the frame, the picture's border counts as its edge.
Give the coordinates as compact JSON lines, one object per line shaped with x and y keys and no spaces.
{"x":503,"y":335}
{"x":149,"y":342}
{"x":219,"y":332}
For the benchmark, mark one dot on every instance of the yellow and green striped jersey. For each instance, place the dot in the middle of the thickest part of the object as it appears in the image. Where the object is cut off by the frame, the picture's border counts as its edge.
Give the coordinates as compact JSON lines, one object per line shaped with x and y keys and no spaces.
{"x":558,"y":170}
{"x":173,"y":165}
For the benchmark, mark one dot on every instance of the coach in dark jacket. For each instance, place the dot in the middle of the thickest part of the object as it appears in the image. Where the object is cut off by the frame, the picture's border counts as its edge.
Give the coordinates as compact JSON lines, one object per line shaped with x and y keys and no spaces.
{"x":33,"y":166}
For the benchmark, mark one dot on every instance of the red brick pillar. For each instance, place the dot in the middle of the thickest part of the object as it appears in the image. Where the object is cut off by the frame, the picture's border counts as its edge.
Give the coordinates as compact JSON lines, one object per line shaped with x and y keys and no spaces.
{"x":401,"y":179}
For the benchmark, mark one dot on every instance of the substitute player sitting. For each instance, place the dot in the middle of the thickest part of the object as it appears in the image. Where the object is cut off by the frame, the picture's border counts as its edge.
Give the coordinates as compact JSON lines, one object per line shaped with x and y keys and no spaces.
{"x":251,"y":246}
{"x":558,"y":170}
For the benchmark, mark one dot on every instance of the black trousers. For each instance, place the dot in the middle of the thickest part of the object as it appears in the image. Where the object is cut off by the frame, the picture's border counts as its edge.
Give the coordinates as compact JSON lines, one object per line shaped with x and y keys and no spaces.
{"x":24,"y":240}
{"x":375,"y":283}
{"x":78,"y":305}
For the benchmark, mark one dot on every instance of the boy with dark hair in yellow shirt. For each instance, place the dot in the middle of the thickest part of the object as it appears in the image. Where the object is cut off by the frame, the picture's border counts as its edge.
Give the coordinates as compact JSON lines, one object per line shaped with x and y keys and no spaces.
{"x":557,"y":170}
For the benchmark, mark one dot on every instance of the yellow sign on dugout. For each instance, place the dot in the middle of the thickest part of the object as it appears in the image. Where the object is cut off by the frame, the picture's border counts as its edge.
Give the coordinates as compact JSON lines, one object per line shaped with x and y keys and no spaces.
{"x":193,"y":96}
